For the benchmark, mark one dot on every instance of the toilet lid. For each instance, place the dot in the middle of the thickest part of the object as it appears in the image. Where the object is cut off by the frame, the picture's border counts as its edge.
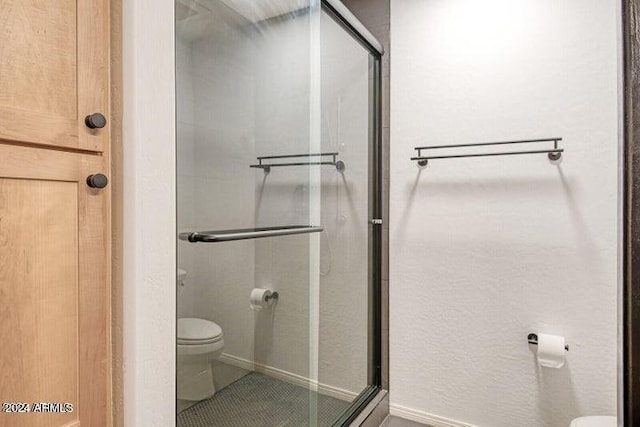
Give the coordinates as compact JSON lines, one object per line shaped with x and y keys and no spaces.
{"x":595,"y":422}
{"x":193,"y":329}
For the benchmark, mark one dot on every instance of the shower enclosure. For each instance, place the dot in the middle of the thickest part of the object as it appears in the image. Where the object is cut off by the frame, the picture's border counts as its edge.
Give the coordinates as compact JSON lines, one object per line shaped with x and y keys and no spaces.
{"x":278,"y":146}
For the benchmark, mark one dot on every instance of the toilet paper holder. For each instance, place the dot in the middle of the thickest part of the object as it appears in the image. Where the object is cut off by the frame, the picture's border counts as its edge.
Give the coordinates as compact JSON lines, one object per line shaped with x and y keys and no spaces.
{"x":533,"y":339}
{"x":274,"y":295}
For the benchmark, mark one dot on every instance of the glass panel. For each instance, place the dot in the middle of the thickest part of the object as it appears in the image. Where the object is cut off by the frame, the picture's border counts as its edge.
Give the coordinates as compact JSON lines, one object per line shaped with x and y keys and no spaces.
{"x":274,"y":131}
{"x":344,"y":249}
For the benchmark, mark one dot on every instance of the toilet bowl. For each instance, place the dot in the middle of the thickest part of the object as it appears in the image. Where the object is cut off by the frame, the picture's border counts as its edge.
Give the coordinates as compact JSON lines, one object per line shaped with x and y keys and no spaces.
{"x":200,"y":342}
{"x":598,"y":421}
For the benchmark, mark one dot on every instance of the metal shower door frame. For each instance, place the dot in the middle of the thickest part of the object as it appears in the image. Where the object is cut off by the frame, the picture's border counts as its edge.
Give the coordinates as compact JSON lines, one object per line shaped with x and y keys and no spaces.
{"x":629,"y":376}
{"x":340,"y":14}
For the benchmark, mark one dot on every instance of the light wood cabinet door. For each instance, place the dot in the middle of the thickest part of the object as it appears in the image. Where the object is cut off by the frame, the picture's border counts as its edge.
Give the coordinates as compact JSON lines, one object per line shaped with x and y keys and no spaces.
{"x":55,"y":342}
{"x":54,"y":71}
{"x":54,"y":289}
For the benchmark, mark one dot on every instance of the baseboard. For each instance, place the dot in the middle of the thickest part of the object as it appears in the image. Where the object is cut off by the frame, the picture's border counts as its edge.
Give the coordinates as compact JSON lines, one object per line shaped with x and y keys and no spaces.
{"x":424,"y":417}
{"x":291,"y":378}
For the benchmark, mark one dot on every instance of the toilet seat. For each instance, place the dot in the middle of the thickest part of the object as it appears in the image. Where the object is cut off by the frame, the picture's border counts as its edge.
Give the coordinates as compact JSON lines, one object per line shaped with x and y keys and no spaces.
{"x":199,"y":337}
{"x":194,"y":331}
{"x":598,"y":421}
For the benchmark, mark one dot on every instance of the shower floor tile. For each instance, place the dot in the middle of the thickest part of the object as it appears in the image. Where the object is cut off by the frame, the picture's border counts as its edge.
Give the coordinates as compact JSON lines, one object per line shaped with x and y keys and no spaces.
{"x":257,"y":400}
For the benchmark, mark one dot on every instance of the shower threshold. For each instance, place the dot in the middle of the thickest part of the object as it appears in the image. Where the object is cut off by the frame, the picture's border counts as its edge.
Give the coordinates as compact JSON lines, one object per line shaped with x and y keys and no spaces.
{"x":248,"y":233}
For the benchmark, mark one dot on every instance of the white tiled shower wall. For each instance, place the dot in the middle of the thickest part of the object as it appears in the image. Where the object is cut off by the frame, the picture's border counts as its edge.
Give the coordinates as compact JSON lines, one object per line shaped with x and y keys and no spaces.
{"x":245,"y":92}
{"x":485,"y":250}
{"x":215,"y":142}
{"x":283,"y":124}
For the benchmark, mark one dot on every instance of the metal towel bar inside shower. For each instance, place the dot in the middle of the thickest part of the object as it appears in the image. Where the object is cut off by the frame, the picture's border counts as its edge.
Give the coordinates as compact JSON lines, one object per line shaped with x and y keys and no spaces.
{"x":339,"y":164}
{"x":248,"y":233}
{"x":553,"y":154}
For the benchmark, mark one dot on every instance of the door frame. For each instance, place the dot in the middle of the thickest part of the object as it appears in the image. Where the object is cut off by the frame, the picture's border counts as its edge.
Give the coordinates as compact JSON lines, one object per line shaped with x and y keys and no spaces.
{"x":343,"y":17}
{"x":630,"y":309}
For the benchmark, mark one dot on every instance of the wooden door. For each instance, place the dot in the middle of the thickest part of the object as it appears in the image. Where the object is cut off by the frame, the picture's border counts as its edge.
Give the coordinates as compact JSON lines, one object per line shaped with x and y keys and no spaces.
{"x":54,"y":68}
{"x":55,"y":350}
{"x":54,"y":297}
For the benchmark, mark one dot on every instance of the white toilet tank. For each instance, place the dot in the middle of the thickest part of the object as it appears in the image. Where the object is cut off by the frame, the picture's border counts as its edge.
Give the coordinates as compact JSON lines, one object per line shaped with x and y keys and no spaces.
{"x":181,"y":275}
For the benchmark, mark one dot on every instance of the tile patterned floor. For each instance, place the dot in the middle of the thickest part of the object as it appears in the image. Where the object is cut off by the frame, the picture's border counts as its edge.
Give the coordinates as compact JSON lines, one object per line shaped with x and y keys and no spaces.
{"x":257,"y":400}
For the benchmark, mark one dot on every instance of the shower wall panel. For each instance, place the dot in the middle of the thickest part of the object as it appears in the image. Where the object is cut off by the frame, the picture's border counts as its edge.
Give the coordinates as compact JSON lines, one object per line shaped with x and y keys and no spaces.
{"x":215,"y":185}
{"x":283,"y":196}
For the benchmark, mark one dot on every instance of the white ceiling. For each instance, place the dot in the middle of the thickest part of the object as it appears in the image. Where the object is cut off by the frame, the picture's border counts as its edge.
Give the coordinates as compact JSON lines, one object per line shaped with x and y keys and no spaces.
{"x":251,"y":10}
{"x":259,"y":10}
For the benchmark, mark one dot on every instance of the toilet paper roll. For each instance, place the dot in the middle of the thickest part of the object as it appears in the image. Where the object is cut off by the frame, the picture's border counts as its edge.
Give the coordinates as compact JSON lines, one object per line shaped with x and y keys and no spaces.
{"x":258,"y":299}
{"x":551,"y":352}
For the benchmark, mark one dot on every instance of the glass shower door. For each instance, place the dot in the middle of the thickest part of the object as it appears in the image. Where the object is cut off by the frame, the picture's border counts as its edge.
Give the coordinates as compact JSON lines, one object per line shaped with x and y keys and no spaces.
{"x":349,"y":248}
{"x":277,"y":181}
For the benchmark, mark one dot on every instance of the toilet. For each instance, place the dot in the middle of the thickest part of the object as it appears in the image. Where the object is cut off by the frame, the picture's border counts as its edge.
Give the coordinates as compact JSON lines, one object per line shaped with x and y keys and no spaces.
{"x":199,"y":341}
{"x":599,"y":421}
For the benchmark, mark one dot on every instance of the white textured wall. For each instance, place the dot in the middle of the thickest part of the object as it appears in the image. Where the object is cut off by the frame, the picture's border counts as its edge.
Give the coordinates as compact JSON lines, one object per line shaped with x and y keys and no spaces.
{"x":215,"y":185}
{"x":283,"y":120}
{"x":344,"y":284}
{"x":149,"y":213}
{"x":283,"y":126}
{"x":485,"y":250}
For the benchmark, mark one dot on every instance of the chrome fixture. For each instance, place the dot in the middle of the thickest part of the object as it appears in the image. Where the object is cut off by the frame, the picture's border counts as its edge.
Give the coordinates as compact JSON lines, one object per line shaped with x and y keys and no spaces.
{"x":248,"y":233}
{"x":339,"y":164}
{"x":274,"y":295}
{"x":554,"y":154}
